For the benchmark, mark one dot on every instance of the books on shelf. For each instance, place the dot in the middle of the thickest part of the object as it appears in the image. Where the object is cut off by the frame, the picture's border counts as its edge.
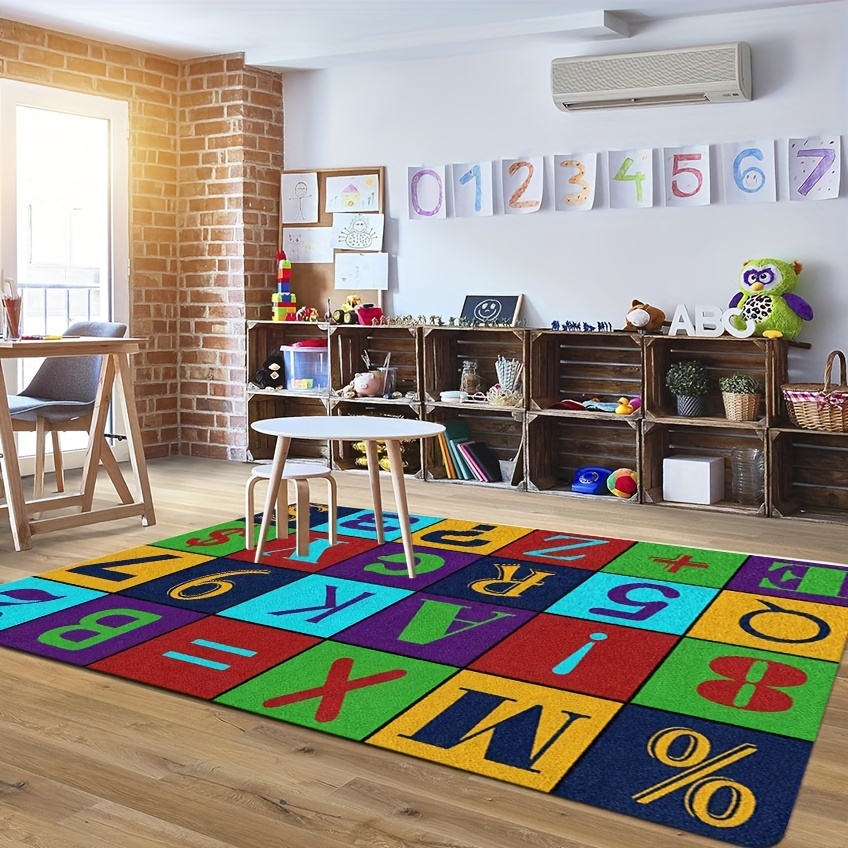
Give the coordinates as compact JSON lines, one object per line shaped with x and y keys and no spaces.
{"x":467,"y":458}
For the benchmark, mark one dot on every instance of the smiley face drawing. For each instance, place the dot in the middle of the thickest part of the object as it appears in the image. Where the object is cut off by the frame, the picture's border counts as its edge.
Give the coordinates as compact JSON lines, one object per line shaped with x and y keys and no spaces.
{"x":488,"y":309}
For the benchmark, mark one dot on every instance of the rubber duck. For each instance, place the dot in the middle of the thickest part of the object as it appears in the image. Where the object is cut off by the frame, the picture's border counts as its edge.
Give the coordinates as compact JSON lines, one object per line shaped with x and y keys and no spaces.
{"x":624,"y":407}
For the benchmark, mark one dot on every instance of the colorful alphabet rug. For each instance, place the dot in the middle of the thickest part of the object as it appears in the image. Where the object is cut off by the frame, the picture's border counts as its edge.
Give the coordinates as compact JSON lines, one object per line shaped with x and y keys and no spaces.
{"x":678,"y":685}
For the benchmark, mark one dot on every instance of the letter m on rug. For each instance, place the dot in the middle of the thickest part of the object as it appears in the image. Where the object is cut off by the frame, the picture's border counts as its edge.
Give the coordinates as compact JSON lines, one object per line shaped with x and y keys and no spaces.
{"x":509,"y":741}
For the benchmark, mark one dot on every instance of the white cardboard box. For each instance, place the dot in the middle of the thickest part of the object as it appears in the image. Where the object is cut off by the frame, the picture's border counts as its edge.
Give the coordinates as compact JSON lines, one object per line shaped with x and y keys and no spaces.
{"x":693,"y":479}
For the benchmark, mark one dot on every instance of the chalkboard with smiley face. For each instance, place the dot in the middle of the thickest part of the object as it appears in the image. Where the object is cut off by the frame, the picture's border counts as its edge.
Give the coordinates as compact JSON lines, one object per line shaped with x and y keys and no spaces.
{"x":492,"y":309}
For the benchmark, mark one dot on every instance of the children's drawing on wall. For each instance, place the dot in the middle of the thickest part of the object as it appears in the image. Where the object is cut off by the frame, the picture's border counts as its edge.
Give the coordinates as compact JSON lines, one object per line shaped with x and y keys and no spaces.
{"x":575,"y":178}
{"x":686,"y":172}
{"x":426,"y":192}
{"x":362,"y":271}
{"x":523,"y":184}
{"x":814,"y":165}
{"x":357,"y":231}
{"x":472,"y":189}
{"x":748,"y":171}
{"x":360,"y":193}
{"x":631,"y":178}
{"x":308,"y":244}
{"x":299,"y":198}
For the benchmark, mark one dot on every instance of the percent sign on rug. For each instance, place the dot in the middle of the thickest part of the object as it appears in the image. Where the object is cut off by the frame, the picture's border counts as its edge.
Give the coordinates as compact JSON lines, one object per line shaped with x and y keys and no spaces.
{"x":678,"y":685}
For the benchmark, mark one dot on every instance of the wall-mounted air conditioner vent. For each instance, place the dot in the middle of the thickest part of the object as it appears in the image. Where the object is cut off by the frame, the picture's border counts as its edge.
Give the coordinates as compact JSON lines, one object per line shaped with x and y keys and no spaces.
{"x":717,"y":74}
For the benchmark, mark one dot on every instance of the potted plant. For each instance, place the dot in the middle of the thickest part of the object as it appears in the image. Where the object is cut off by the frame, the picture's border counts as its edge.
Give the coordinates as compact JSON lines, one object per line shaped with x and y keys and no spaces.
{"x":688,"y":381}
{"x":741,"y":394}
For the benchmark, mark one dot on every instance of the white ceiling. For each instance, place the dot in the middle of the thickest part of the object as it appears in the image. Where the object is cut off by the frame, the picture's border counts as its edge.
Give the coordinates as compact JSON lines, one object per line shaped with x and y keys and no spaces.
{"x":321,"y":33}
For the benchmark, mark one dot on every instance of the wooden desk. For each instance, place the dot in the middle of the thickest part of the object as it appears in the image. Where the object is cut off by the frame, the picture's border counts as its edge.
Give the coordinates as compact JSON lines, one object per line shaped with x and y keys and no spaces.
{"x":115,"y":365}
{"x":349,"y":428}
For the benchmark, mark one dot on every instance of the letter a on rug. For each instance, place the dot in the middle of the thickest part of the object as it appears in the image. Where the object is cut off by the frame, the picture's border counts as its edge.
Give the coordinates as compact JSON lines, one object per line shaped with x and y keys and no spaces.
{"x":673,"y":684}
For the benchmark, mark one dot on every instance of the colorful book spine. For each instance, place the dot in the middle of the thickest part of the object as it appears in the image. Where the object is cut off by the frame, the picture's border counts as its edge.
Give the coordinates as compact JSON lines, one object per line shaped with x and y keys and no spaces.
{"x":446,"y":457}
{"x":476,"y":470}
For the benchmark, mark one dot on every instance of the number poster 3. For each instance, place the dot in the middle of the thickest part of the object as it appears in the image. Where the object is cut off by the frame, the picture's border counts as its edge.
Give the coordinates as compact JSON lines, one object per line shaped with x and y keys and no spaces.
{"x":740,"y":172}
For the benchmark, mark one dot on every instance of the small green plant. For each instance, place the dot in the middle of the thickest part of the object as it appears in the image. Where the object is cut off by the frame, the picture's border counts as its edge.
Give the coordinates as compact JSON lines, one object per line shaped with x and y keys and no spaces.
{"x":688,"y":378}
{"x":740,"y":384}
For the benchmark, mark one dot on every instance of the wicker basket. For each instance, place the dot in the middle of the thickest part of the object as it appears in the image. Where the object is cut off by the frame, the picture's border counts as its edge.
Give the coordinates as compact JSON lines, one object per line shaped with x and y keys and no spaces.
{"x":816,"y":407}
{"x":741,"y":407}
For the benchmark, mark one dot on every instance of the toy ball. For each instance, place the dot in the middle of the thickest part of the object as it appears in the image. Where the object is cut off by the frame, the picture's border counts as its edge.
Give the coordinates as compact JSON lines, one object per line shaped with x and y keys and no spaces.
{"x":622,"y":482}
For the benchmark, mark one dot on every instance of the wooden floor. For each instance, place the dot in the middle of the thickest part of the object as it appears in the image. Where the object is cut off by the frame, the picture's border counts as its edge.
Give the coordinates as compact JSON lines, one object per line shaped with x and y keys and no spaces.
{"x":92,"y":761}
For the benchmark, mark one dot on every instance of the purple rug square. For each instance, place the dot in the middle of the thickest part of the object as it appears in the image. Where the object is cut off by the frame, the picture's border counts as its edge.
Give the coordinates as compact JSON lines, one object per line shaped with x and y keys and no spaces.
{"x":788,"y":578}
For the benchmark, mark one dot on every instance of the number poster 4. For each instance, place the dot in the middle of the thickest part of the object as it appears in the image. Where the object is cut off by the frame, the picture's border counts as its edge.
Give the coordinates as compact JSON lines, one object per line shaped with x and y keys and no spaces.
{"x":426,"y":192}
{"x":814,"y":165}
{"x":575,"y":177}
{"x":687,"y":175}
{"x":631,"y":179}
{"x":523,"y":184}
{"x":749,"y":172}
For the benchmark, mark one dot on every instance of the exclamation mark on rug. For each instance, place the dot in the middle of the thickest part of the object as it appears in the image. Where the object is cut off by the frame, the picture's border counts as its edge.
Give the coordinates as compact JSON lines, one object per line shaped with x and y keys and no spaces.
{"x":571,"y":662}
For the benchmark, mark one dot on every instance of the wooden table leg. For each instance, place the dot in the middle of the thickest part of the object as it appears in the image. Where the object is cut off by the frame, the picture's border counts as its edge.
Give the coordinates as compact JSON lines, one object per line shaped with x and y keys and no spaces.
{"x":95,"y":434}
{"x":11,"y":470}
{"x":376,"y":496}
{"x":302,"y":519}
{"x":274,"y":481}
{"x":396,"y":469}
{"x":139,"y":464}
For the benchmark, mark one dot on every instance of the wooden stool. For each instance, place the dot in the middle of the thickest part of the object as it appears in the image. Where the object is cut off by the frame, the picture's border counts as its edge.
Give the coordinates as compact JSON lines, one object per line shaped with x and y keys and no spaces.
{"x":300,"y":473}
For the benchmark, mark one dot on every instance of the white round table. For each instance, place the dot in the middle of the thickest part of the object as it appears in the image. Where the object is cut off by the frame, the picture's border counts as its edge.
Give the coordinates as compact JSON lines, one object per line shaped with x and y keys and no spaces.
{"x":349,"y":428}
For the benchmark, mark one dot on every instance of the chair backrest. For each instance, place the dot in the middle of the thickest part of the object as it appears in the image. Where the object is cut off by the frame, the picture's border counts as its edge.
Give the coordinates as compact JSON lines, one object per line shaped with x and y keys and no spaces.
{"x":73,"y":378}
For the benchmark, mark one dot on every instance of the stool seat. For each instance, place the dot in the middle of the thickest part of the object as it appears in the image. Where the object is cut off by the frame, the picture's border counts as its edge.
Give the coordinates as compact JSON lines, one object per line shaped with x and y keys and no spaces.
{"x":299,"y":473}
{"x":294,"y":471}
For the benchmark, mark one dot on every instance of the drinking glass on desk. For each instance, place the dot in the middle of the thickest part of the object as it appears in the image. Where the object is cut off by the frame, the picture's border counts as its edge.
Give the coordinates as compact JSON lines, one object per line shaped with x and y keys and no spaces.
{"x":11,"y":317}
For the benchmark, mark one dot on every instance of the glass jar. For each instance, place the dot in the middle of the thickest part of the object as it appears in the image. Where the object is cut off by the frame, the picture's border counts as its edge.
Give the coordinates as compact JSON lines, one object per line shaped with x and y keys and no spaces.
{"x":748,"y":475}
{"x":469,"y":380}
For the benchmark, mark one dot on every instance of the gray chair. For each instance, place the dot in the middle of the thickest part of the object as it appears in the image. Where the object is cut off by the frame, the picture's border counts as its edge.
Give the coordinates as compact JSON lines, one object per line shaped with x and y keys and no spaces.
{"x":60,"y":398}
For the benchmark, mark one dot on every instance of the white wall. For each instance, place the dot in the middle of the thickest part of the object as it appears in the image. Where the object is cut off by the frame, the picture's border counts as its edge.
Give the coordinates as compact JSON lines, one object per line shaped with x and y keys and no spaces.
{"x":589,"y":266}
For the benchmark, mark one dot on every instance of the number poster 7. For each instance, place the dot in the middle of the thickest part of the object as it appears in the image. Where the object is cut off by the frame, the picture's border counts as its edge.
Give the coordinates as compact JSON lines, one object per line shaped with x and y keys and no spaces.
{"x":749,"y":172}
{"x":814,"y":165}
{"x":687,"y":175}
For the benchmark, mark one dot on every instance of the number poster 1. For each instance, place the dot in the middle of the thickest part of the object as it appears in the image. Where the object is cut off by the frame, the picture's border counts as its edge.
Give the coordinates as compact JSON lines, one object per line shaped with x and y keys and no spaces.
{"x":746,"y":172}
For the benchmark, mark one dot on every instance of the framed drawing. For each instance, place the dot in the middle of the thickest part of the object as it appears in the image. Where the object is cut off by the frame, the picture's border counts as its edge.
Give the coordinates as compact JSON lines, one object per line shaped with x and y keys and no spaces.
{"x":492,"y":308}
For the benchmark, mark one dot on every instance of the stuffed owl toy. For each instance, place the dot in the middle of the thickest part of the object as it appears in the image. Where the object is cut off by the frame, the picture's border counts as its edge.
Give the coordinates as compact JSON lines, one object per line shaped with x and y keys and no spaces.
{"x":767,"y":299}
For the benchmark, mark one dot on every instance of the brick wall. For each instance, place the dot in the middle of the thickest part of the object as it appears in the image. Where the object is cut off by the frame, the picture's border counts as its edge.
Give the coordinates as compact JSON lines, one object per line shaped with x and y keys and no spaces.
{"x":205,"y":154}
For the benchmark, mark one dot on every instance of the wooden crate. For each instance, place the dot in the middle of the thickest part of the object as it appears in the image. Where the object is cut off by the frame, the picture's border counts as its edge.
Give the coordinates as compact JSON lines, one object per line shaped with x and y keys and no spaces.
{"x":660,"y":440}
{"x":345,"y":455}
{"x":402,"y":345}
{"x":809,"y":475}
{"x":281,"y":405}
{"x":265,"y":337}
{"x":502,"y":430}
{"x":581,"y":366}
{"x":559,"y":445}
{"x":763,"y":359}
{"x":446,"y":348}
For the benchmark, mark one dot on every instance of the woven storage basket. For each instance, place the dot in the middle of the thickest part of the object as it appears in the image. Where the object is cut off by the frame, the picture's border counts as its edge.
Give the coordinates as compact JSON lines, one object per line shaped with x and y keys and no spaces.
{"x":741,"y":407}
{"x":816,"y":407}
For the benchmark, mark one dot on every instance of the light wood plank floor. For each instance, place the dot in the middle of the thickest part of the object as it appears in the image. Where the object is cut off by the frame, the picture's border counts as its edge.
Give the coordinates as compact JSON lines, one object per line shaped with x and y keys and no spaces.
{"x":90,"y":761}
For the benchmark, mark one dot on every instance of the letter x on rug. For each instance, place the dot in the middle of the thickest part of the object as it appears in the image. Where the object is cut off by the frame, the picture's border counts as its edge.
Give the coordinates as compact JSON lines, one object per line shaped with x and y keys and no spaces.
{"x":678,"y":685}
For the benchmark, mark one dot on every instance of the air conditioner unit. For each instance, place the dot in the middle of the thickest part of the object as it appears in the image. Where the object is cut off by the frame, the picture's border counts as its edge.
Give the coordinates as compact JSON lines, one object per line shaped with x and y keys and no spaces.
{"x":720,"y":73}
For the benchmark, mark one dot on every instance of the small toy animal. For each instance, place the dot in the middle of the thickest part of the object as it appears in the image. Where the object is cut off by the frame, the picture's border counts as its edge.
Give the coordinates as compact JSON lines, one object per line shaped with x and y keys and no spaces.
{"x":643,"y":318}
{"x":270,"y":375}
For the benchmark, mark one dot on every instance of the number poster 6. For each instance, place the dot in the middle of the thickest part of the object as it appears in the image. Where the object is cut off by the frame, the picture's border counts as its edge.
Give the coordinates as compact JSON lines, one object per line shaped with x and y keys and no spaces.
{"x":746,"y":173}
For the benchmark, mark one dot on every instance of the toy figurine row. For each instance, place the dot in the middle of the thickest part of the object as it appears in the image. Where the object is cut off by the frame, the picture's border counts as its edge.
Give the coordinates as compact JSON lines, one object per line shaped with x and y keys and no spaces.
{"x":582,"y":326}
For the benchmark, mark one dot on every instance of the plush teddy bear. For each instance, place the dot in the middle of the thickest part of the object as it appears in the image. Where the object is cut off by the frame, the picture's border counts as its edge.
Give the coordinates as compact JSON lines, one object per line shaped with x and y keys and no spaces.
{"x":644,"y":318}
{"x":270,"y":375}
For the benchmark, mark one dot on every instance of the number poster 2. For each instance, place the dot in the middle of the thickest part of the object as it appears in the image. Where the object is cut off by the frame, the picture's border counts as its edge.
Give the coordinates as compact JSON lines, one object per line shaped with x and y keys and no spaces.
{"x":749,"y":172}
{"x":523,"y":184}
{"x":575,"y":177}
{"x":687,"y":175}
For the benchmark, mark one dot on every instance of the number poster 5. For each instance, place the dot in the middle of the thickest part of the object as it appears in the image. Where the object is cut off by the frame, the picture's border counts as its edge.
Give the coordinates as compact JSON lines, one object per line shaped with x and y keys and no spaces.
{"x":746,"y":172}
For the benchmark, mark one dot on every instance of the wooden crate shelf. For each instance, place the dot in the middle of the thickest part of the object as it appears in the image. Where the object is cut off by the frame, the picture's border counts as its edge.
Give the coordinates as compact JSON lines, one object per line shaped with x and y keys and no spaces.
{"x":582,"y":366}
{"x":809,"y":475}
{"x":763,"y":359}
{"x":666,"y":440}
{"x":446,"y":348}
{"x":265,"y":337}
{"x":503,"y":433}
{"x":282,"y":405}
{"x":558,"y":446}
{"x":348,"y":343}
